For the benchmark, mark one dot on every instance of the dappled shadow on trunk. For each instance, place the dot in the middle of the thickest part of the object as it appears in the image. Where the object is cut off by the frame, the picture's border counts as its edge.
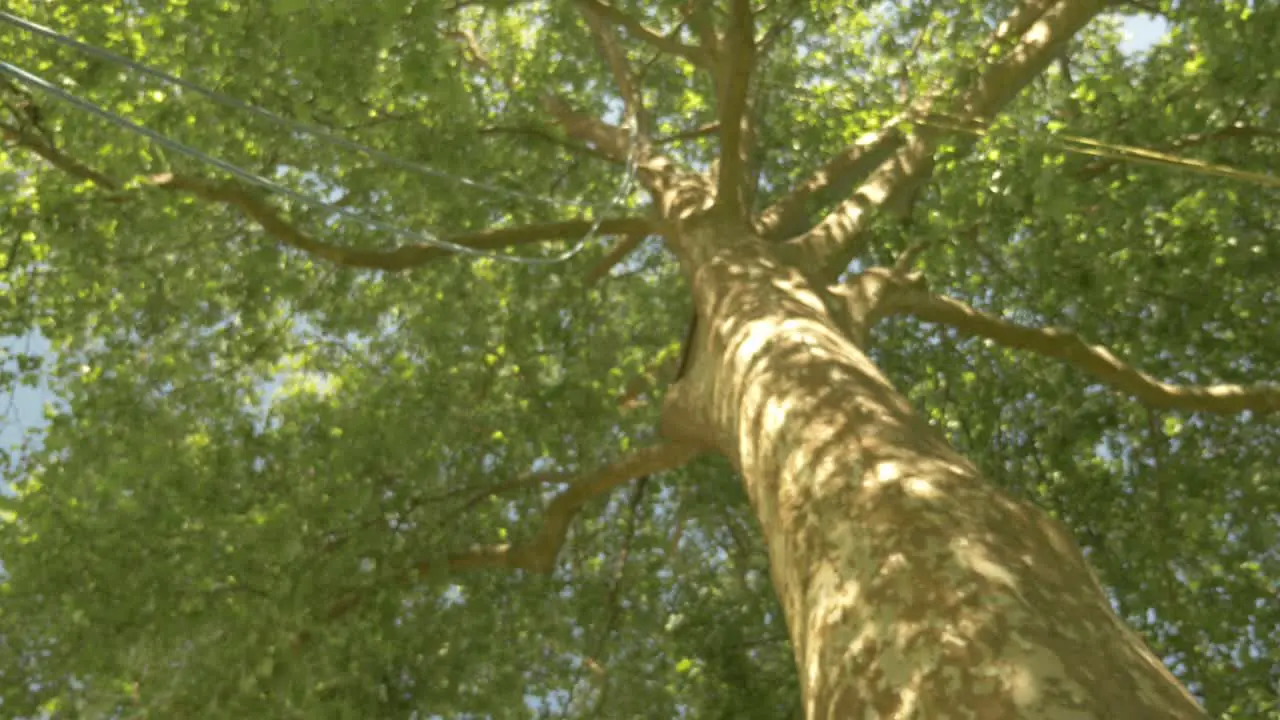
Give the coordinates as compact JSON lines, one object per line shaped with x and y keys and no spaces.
{"x":910,"y":584}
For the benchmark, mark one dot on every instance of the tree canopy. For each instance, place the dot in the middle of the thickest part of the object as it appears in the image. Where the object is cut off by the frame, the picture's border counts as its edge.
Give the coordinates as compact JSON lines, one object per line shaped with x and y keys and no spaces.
{"x":304,"y":451}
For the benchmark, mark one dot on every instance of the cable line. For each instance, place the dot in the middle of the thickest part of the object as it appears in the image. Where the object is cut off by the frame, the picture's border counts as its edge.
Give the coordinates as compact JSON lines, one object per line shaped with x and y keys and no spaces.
{"x":254,"y":179}
{"x":316,"y":131}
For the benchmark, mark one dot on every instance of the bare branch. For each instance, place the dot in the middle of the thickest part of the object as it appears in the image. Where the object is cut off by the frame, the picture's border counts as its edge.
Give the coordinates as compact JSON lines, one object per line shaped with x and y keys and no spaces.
{"x":472,"y":54}
{"x":734,"y":65}
{"x":1096,"y":360}
{"x":638,"y":31}
{"x":832,"y":244}
{"x":617,"y":62}
{"x":261,"y":212}
{"x":539,"y":553}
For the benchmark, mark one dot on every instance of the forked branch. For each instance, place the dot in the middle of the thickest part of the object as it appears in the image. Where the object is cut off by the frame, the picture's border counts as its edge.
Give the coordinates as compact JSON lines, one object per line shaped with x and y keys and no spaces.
{"x":1046,"y":26}
{"x":906,"y":298}
{"x":538,"y":554}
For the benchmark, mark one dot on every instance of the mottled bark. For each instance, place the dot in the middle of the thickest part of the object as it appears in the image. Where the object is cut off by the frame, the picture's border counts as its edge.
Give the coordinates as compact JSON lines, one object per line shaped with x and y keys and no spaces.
{"x":912,"y":587}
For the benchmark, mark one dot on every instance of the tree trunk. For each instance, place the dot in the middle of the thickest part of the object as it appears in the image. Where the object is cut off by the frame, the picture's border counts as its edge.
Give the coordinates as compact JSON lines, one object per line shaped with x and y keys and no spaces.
{"x":912,"y":587}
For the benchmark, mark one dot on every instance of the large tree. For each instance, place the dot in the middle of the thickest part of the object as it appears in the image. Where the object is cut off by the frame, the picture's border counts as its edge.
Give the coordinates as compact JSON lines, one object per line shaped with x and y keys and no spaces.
{"x":378,"y":393}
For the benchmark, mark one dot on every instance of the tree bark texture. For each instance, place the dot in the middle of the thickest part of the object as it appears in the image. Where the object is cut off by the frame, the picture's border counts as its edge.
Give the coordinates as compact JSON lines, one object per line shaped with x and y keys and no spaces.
{"x":912,"y":587}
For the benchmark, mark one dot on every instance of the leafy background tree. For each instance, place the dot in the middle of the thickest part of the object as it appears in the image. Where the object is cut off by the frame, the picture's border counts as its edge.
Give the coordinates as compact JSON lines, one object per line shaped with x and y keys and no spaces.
{"x":273,"y":430}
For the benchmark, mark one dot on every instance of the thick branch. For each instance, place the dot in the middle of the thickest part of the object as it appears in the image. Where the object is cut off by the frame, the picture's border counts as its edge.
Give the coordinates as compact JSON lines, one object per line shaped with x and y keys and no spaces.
{"x":617,"y":62}
{"x":832,"y":244}
{"x":657,"y":173}
{"x":539,"y":553}
{"x":261,"y":212}
{"x":1095,"y":360}
{"x":788,"y":216}
{"x":1013,"y":27}
{"x":698,"y":14}
{"x":638,"y":31}
{"x":734,"y":66}
{"x":610,"y":141}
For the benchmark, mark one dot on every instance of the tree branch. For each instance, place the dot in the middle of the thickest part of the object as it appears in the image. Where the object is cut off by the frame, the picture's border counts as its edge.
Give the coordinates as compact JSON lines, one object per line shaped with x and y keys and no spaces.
{"x":691,"y":134}
{"x":539,"y":553}
{"x":657,"y":173}
{"x":789,"y":216}
{"x":779,"y":26}
{"x":1019,"y":21}
{"x":625,"y":247}
{"x":1046,"y":26}
{"x":906,"y":298}
{"x":538,"y":133}
{"x":638,"y":31}
{"x":271,"y":221}
{"x":734,"y":65}
{"x":401,"y":258}
{"x":617,"y":61}
{"x":55,"y":157}
{"x":610,"y":141}
{"x":698,"y":14}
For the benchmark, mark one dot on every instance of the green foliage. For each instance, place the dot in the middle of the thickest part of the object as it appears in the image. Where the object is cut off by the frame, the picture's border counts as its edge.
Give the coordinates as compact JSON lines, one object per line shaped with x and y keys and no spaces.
{"x":252,"y":447}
